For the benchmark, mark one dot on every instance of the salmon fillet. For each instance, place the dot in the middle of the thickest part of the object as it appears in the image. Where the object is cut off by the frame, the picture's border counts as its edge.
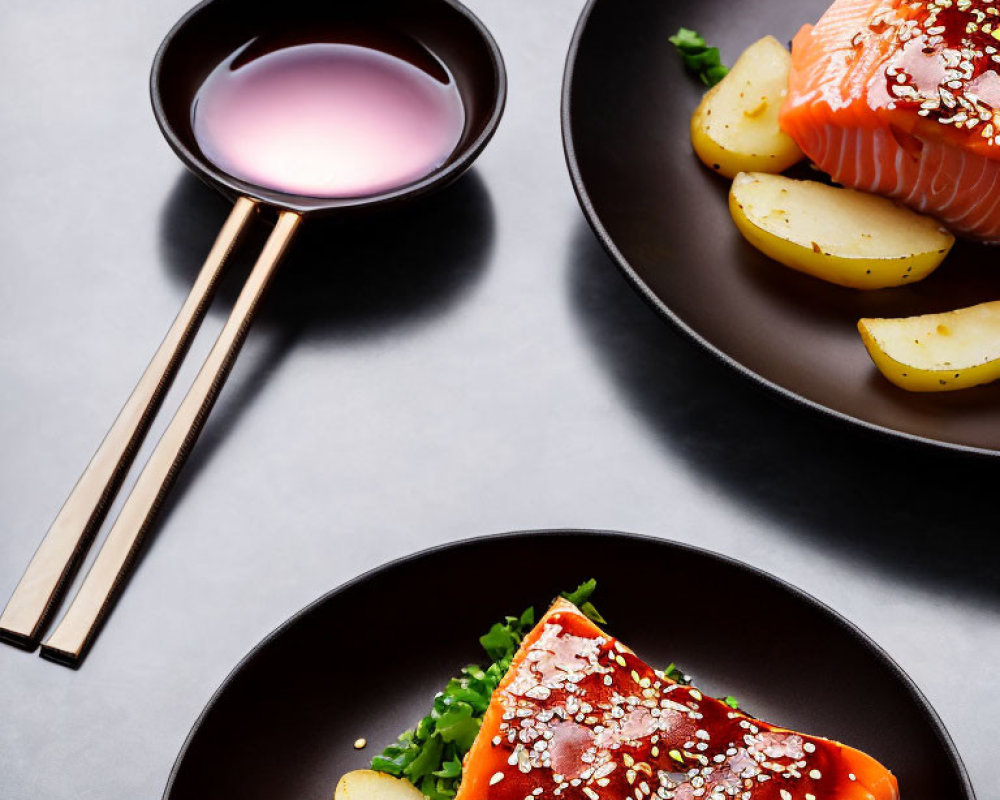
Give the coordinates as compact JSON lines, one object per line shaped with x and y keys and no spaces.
{"x":579,"y":716}
{"x":902,"y":98}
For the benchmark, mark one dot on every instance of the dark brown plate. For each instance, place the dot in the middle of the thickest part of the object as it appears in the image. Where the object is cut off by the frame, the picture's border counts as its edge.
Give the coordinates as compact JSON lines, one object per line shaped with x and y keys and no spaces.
{"x":366,"y":660}
{"x":664,"y":219}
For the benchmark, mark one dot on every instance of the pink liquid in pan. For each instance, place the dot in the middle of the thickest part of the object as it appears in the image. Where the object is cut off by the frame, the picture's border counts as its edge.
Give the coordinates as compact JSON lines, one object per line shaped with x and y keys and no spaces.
{"x":328,"y":120}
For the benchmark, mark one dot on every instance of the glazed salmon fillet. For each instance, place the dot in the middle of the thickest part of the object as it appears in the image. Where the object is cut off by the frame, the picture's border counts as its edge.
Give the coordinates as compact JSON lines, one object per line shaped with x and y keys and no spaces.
{"x":903,"y":99}
{"x":579,"y":716}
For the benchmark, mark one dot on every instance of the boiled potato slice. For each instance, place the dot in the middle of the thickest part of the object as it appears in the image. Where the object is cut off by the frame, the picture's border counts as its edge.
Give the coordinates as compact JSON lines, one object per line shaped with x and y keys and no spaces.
{"x":366,"y":784}
{"x":735,"y":128}
{"x":937,"y":352}
{"x":840,"y":235}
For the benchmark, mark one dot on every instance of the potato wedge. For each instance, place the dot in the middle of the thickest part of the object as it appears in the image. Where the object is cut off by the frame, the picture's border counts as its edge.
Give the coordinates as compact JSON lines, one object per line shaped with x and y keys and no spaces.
{"x":735,"y":127}
{"x":842,"y":236}
{"x":937,"y":352}
{"x":366,"y":784}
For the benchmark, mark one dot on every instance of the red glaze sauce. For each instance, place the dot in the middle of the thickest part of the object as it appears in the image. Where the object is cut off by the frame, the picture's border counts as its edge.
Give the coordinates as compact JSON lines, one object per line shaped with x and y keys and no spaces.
{"x":943,"y":62}
{"x":581,"y":717}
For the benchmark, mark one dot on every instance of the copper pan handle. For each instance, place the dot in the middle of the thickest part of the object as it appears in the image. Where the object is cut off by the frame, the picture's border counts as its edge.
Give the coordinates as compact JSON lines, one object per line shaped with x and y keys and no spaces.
{"x":72,"y":638}
{"x":52,"y":568}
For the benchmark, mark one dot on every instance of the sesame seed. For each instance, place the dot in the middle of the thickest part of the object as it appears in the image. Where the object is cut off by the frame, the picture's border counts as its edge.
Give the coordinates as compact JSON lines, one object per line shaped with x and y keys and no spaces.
{"x":360,"y":744}
{"x":605,"y":770}
{"x":497,"y":777}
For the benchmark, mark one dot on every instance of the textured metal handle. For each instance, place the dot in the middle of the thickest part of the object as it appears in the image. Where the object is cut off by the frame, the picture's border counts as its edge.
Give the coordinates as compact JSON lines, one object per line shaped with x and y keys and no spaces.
{"x":52,"y":568}
{"x":75,"y":633}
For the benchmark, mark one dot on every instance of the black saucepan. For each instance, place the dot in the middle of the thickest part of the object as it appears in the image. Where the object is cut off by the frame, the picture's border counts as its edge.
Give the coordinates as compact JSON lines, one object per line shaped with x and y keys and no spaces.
{"x":441,"y":32}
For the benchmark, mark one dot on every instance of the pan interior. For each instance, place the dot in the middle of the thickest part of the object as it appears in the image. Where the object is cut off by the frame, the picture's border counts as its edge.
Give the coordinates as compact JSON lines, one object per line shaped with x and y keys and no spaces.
{"x":434,"y":30}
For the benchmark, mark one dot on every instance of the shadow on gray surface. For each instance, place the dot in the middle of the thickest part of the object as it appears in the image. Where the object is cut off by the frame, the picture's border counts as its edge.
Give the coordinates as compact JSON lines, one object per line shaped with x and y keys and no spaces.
{"x":345,"y":277}
{"x":921,"y":513}
{"x":344,"y":280}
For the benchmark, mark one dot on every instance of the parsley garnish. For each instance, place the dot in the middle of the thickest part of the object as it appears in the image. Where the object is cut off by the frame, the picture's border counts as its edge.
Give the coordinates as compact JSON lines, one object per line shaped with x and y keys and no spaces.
{"x":430,"y":755}
{"x":698,"y":57}
{"x":581,"y":599}
{"x":674,"y":673}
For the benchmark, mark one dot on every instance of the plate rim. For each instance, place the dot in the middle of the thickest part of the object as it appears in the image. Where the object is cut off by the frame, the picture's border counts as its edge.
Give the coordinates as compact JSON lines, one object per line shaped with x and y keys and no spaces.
{"x":941,"y":732}
{"x":664,"y":310}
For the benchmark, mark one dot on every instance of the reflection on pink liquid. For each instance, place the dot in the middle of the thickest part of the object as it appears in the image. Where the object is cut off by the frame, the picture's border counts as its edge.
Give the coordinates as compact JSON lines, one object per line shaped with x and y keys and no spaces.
{"x":327,"y":120}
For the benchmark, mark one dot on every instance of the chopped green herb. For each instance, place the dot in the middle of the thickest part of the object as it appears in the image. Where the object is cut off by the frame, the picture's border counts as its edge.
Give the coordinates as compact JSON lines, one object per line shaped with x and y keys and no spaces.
{"x":430,"y":756}
{"x":458,"y":725}
{"x":450,"y":769}
{"x":731,"y":701}
{"x":499,"y":639}
{"x":591,"y":612}
{"x":698,"y":57}
{"x":676,"y":675}
{"x":581,"y":599}
{"x":582,"y":593}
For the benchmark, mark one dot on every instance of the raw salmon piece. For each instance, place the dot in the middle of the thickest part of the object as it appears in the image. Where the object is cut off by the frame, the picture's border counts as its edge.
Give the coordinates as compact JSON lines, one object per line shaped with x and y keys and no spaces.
{"x":903,"y":99}
{"x":579,"y":716}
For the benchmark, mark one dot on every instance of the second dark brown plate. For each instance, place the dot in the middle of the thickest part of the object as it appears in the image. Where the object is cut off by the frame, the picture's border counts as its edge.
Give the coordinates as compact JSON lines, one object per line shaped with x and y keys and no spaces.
{"x":366,"y":660}
{"x":664,"y":218}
